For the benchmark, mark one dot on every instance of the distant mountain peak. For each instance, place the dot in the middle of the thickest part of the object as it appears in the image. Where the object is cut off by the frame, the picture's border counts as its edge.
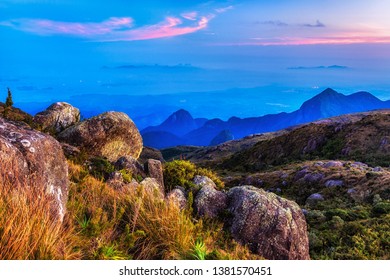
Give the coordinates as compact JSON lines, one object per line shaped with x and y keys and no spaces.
{"x":180,"y":116}
{"x":329,"y":91}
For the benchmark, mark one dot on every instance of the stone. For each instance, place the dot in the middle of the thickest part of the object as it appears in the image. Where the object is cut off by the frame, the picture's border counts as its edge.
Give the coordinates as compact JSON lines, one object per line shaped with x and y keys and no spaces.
{"x":151,"y":185}
{"x":178,"y":196}
{"x":131,"y":164}
{"x":110,"y":135}
{"x":57,"y":117}
{"x":331,"y":164}
{"x":271,"y":226}
{"x":29,"y":158}
{"x":313,"y":177}
{"x":153,"y":169}
{"x":150,"y":153}
{"x":314,"y":198}
{"x":209,"y":202}
{"x":334,"y":183}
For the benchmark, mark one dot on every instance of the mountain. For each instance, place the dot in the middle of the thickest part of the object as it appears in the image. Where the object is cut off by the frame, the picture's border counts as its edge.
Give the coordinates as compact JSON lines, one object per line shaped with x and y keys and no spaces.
{"x":179,"y":123}
{"x":328,"y":103}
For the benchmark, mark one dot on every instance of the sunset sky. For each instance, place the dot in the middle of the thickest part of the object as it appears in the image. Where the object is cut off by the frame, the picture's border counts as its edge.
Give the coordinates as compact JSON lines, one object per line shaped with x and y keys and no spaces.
{"x":64,"y":45}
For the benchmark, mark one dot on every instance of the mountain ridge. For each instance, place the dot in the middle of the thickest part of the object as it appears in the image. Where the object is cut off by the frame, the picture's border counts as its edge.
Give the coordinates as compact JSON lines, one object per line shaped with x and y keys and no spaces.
{"x":326,"y":104}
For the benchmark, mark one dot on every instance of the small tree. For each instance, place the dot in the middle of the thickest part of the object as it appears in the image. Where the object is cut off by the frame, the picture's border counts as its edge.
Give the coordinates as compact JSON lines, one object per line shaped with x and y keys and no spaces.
{"x":9,"y":102}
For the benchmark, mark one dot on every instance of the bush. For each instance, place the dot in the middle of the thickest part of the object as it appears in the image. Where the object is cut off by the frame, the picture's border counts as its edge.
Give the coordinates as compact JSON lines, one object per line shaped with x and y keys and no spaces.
{"x":381,"y":208}
{"x":181,"y":173}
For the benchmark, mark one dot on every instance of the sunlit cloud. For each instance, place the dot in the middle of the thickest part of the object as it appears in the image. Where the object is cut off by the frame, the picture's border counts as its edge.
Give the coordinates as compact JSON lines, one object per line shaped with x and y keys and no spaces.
{"x":114,"y":28}
{"x":224,"y":9}
{"x":190,"y":16}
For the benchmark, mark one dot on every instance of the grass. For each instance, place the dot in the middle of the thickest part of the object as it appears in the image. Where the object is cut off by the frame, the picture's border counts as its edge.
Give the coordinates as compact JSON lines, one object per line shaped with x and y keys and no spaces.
{"x":28,"y":228}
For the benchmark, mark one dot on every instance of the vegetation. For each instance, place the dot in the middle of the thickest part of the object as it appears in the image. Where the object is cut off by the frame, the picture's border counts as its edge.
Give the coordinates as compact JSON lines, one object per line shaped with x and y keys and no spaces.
{"x":104,"y":223}
{"x":182,"y":173}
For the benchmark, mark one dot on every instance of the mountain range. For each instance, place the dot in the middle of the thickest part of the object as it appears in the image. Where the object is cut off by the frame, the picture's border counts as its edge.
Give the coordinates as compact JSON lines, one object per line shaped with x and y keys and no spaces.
{"x":181,"y":128}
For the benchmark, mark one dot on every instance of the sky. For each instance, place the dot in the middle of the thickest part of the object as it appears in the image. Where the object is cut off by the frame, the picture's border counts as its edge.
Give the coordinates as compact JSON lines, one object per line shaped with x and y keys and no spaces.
{"x":58,"y":49}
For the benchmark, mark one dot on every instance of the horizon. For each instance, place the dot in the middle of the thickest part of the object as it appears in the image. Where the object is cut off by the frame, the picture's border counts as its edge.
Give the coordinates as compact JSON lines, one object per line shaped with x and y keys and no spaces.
{"x":274,"y":55}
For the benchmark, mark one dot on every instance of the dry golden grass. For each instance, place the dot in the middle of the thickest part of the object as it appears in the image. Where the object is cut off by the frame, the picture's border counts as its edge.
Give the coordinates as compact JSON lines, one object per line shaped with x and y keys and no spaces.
{"x":168,"y":232}
{"x":28,"y":227}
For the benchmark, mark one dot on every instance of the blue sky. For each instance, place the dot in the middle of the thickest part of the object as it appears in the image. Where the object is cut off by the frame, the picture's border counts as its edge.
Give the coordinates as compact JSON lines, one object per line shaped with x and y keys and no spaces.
{"x":54,"y":49}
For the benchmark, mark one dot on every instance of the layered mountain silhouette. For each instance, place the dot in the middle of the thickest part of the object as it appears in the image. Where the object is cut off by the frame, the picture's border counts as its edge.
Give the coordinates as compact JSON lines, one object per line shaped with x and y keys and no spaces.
{"x":182,"y":129}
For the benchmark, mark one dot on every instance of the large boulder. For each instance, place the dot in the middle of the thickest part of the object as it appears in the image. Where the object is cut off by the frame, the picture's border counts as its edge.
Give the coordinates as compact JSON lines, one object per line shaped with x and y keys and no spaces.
{"x":29,"y":158}
{"x":273,"y":227}
{"x":58,"y":117}
{"x":208,"y":201}
{"x":110,"y":135}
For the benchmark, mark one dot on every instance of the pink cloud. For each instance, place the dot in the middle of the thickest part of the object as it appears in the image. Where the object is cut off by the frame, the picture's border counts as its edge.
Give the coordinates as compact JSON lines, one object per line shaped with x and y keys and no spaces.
{"x":296,"y":41}
{"x":114,"y":28}
{"x":190,"y":15}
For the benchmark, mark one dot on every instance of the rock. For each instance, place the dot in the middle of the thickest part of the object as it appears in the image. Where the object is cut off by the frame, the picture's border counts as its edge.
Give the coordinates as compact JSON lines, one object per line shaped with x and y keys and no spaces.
{"x":359,"y":165}
{"x":313,"y":177}
{"x":131,"y":164}
{"x":377,"y":169}
{"x":150,"y":153}
{"x":115,"y":180}
{"x":69,"y":150}
{"x":334,"y":183}
{"x":58,"y":117}
{"x":331,"y":164}
{"x":178,"y":196}
{"x":110,"y":135}
{"x":314,"y":198}
{"x":153,"y":169}
{"x":301,"y":173}
{"x":208,"y":201}
{"x":34,"y":159}
{"x":151,"y":185}
{"x":273,"y":227}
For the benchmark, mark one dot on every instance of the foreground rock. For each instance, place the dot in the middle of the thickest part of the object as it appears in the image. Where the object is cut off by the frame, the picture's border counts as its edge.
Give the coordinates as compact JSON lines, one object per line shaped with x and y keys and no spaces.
{"x":209,"y":202}
{"x":153,"y":169}
{"x":131,"y":164}
{"x":30,"y":158}
{"x":58,"y":117}
{"x":272,"y":226}
{"x":111,"y":135}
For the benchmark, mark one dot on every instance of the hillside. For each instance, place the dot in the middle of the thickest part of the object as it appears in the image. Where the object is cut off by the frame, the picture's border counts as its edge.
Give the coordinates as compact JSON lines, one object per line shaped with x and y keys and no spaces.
{"x":327,"y":104}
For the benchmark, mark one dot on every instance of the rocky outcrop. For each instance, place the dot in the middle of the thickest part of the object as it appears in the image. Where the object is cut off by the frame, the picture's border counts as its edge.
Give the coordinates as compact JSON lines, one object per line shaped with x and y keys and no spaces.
{"x":111,"y":135}
{"x":29,"y":158}
{"x":272,"y":226}
{"x":131,"y":164}
{"x":208,"y":201}
{"x":57,"y":117}
{"x":153,"y":169}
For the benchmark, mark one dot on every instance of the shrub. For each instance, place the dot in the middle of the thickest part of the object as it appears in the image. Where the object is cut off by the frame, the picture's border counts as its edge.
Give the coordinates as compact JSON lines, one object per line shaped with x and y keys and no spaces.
{"x":181,"y":173}
{"x":381,"y":208}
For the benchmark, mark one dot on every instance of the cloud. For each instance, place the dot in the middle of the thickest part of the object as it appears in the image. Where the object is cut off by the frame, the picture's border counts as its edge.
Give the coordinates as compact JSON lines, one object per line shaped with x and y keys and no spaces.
{"x":190,"y":16}
{"x":317,"y":24}
{"x":331,"y":67}
{"x":223,"y":10}
{"x":85,"y":29}
{"x":274,"y":22}
{"x":114,"y":28}
{"x":326,"y":40}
